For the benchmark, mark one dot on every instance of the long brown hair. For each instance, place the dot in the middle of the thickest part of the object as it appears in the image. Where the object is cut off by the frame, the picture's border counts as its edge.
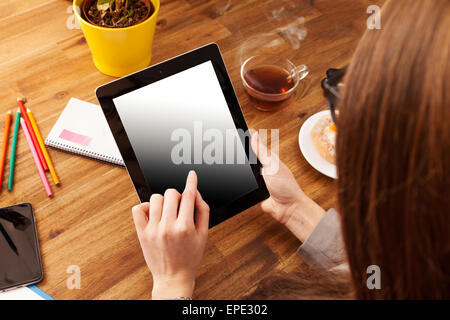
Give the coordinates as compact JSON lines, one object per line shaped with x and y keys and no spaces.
{"x":393,"y":153}
{"x":304,"y":283}
{"x":393,"y":158}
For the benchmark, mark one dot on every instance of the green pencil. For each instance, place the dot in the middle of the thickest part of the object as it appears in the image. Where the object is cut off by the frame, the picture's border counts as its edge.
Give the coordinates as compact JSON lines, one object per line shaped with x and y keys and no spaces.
{"x":12,"y":159}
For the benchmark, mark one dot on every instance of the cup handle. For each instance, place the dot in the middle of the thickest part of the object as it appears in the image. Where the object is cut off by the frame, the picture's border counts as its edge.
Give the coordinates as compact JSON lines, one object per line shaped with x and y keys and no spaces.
{"x":302,"y":71}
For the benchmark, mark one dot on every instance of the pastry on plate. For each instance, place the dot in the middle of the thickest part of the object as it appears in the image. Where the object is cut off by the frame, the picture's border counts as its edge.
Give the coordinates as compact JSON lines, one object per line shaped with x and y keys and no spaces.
{"x":324,"y":136}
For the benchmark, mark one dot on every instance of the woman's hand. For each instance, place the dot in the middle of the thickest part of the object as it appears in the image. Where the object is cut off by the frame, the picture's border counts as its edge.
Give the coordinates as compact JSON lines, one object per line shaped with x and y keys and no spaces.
{"x":173,"y":241}
{"x":288,"y":204}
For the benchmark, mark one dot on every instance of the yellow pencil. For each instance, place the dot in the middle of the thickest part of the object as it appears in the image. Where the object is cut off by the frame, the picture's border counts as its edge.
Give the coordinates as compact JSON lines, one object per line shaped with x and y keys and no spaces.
{"x":42,"y":145}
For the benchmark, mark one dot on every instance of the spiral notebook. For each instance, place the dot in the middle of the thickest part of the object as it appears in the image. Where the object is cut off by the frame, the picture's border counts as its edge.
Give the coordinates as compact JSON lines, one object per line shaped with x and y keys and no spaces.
{"x":82,"y":129}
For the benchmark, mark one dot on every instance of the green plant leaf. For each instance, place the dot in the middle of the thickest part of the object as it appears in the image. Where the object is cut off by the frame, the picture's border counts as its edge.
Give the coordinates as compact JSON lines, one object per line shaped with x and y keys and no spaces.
{"x":103,"y":5}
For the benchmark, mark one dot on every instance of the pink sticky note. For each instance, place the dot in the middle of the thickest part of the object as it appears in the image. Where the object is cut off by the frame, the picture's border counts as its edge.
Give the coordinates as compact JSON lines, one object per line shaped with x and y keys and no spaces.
{"x":75,"y":137}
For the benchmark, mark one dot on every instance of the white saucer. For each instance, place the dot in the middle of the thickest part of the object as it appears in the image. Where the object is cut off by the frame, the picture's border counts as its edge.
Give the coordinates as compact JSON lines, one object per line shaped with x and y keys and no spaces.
{"x":309,"y":150}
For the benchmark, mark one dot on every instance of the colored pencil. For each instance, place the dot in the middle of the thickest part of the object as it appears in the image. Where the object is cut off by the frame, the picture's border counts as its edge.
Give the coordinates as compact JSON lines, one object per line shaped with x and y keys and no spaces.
{"x":43,"y":148}
{"x":23,"y":111}
{"x":4,"y":146}
{"x":36,"y":158}
{"x":12,"y":158}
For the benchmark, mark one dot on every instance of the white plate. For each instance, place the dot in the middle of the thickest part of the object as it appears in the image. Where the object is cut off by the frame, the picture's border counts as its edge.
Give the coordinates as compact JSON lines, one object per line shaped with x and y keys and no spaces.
{"x":309,"y":149}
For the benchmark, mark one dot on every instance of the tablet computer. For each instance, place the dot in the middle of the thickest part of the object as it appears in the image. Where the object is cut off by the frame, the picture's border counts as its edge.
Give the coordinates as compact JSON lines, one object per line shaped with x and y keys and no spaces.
{"x":182,"y":115}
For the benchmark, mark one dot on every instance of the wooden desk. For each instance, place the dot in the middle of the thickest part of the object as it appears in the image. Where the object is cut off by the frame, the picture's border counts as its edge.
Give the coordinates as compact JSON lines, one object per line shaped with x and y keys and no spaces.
{"x":88,"y":223}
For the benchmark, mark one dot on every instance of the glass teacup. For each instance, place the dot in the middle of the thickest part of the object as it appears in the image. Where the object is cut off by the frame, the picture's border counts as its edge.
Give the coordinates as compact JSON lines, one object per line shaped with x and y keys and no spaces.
{"x":271,"y":81}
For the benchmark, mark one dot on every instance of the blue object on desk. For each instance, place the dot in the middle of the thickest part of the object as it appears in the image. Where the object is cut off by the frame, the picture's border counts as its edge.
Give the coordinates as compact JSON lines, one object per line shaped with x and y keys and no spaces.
{"x":39,"y":292}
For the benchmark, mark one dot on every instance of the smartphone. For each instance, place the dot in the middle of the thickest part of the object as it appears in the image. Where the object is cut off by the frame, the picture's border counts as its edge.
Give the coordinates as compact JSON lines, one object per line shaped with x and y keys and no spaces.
{"x":20,"y":258}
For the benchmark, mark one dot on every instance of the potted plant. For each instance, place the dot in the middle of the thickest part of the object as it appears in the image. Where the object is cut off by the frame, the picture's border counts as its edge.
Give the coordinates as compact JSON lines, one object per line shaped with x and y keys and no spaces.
{"x":118,"y":32}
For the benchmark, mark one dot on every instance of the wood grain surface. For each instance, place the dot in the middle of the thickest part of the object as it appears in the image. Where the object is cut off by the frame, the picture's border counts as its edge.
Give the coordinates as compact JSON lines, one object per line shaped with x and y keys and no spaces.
{"x":88,"y":222}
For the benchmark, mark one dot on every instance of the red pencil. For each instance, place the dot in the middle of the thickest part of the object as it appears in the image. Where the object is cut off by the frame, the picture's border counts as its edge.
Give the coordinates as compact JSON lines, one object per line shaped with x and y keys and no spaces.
{"x":23,"y":111}
{"x":4,"y":146}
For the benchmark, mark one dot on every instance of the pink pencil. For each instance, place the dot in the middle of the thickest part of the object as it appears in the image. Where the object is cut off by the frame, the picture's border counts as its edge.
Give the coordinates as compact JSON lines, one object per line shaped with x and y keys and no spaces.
{"x":36,"y":158}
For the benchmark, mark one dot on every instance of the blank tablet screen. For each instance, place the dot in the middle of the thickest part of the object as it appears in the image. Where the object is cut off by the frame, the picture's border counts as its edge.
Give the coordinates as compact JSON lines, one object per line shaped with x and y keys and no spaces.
{"x":183,"y":123}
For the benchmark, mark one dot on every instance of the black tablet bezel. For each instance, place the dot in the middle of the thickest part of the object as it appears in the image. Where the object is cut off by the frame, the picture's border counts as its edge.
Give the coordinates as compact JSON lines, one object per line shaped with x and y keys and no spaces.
{"x":30,"y":281}
{"x":106,"y":94}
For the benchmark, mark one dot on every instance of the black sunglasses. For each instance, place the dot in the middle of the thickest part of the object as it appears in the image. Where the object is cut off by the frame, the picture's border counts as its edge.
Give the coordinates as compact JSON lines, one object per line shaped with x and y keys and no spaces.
{"x":330,"y":86}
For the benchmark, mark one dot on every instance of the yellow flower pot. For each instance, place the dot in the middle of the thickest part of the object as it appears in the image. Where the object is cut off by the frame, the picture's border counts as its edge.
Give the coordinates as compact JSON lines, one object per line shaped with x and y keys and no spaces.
{"x":118,"y":52}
